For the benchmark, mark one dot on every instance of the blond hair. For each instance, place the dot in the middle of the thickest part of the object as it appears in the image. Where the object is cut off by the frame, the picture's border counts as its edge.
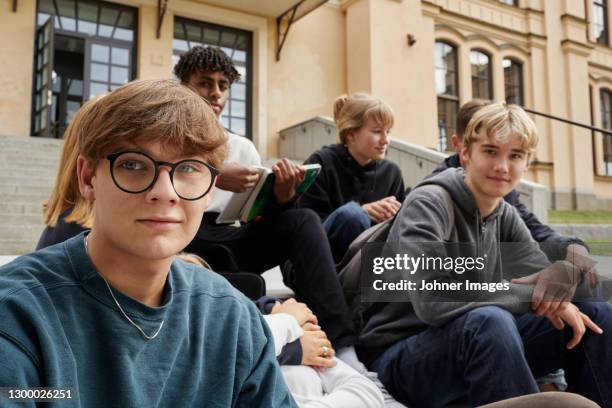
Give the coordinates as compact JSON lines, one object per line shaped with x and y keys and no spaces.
{"x":65,"y":193}
{"x":498,"y":122}
{"x":193,"y":259}
{"x":153,"y":110}
{"x":147,"y":110}
{"x":352,"y":112}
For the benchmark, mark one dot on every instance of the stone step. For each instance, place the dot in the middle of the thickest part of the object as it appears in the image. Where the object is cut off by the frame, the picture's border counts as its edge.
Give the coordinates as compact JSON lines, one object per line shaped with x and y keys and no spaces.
{"x":27,"y":171}
{"x":18,"y":188}
{"x":25,"y":198}
{"x":21,"y":219}
{"x":45,"y":180}
{"x":16,"y":246}
{"x":29,"y":233}
{"x":8,"y":161}
{"x":21,"y":208}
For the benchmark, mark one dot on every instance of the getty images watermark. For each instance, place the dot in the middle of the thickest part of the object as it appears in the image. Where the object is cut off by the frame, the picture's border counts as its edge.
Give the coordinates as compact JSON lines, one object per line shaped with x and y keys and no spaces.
{"x":478,"y":272}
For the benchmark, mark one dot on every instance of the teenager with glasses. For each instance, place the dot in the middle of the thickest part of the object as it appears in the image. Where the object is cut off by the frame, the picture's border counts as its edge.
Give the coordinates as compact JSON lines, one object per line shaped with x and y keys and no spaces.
{"x":110,"y":317}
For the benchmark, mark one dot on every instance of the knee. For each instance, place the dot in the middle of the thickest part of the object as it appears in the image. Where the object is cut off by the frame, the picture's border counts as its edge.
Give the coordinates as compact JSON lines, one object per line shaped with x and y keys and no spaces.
{"x":491,"y":322}
{"x":302,"y":219}
{"x":351,"y":215}
{"x":598,"y":311}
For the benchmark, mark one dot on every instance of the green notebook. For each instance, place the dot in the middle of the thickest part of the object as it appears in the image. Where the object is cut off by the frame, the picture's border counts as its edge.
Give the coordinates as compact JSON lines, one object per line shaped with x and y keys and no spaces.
{"x":247,"y":206}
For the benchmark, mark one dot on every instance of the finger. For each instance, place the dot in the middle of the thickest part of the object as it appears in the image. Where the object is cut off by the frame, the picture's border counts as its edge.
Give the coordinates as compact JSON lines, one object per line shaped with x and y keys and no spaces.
{"x":543,"y":308}
{"x":557,"y":322}
{"x":312,"y":319}
{"x":319,"y":334}
{"x":252,"y":171}
{"x":578,"y":329}
{"x":324,"y":362}
{"x":311,"y":327}
{"x":591,"y":324}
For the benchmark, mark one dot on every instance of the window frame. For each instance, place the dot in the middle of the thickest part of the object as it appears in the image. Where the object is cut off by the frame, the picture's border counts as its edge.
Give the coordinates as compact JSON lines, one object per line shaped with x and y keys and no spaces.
{"x":248,"y":99}
{"x":521,"y":80}
{"x":447,"y":98}
{"x":604,"y":37}
{"x":479,"y":78}
{"x":606,"y":123}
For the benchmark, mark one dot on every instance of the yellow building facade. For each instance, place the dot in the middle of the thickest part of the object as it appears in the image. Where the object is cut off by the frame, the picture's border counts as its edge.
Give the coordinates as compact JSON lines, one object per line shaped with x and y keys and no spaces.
{"x":425,"y":57}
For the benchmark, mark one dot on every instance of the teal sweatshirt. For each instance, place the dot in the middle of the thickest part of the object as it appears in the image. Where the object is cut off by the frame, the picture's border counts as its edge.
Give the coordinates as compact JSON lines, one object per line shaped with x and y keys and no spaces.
{"x":60,"y":328}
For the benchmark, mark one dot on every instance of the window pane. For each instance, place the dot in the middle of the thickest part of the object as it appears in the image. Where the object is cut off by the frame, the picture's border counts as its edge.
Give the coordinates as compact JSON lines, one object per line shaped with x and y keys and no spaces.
{"x":212,"y":36}
{"x":238,"y":108}
{"x":447,"y":119}
{"x":121,"y":56}
{"x":481,"y":75}
{"x":76,"y":87}
{"x":513,"y":81}
{"x":238,"y":126}
{"x":68,"y":23}
{"x":238,"y":91}
{"x":225,"y":121}
{"x":99,"y":72}
{"x":180,"y":45}
{"x":446,"y":74}
{"x":88,"y":16}
{"x":123,"y":34}
{"x":96,"y":89}
{"x":600,"y":21}
{"x":66,"y":8}
{"x":126,"y":20}
{"x":46,"y":6}
{"x":228,"y":40}
{"x":99,"y":53}
{"x":119,"y":75}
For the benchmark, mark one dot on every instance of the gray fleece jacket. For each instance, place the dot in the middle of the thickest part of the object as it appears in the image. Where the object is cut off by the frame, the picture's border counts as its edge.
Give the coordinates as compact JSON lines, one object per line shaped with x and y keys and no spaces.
{"x":426,"y":216}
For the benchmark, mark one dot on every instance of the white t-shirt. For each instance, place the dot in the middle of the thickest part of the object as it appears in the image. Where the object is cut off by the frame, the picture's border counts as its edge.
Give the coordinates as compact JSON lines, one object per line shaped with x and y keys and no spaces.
{"x":242,"y":151}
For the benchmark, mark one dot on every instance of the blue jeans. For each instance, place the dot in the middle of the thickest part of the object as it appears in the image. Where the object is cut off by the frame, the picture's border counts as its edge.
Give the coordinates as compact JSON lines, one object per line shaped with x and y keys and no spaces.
{"x":488,"y":355}
{"x":343,"y":225}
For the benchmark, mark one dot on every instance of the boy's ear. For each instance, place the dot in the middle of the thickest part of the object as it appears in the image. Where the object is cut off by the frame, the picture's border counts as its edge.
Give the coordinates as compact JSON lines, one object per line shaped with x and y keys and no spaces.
{"x":464,"y":155}
{"x":455,"y":142}
{"x":86,"y":174}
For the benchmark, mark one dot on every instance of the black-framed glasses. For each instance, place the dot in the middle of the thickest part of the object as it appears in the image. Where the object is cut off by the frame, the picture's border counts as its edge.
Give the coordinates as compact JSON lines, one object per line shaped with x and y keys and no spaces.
{"x":136,"y":172}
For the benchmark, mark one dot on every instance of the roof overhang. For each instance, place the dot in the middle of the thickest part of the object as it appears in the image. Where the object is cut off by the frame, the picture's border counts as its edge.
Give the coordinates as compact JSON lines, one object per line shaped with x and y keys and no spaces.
{"x":267,"y":8}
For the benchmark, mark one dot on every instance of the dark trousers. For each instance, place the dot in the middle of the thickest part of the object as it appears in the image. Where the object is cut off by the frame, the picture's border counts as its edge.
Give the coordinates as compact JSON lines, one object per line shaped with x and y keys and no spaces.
{"x":489,"y":355}
{"x":343,"y":225}
{"x":294,"y":235}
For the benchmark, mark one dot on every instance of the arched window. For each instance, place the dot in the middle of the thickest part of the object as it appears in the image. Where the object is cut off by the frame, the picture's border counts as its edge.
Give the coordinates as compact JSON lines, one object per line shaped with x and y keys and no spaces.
{"x":513,"y":81}
{"x":600,"y":21}
{"x":605,"y":103}
{"x":482,"y":84}
{"x":447,"y":90}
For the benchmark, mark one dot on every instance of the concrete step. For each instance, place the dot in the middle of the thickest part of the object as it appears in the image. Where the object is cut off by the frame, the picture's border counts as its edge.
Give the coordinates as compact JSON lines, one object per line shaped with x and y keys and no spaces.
{"x":21,"y":219}
{"x":18,"y":188}
{"x":16,"y":246}
{"x":29,"y":233}
{"x":25,"y":198}
{"x":26,"y":171}
{"x":43,"y":180}
{"x":30,"y":163}
{"x":21,"y":208}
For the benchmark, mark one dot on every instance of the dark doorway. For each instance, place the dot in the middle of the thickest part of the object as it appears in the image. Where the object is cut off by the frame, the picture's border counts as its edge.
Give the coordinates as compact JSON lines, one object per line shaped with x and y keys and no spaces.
{"x":67,"y":78}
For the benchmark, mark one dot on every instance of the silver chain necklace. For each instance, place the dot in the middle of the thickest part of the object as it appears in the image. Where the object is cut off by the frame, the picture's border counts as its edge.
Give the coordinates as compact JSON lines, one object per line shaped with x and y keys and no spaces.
{"x":151,"y":337}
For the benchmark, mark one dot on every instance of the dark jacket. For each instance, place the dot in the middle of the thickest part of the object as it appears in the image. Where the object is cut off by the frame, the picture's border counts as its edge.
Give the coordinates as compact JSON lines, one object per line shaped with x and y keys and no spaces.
{"x":61,"y":232}
{"x":342,"y":180}
{"x":556,"y":243}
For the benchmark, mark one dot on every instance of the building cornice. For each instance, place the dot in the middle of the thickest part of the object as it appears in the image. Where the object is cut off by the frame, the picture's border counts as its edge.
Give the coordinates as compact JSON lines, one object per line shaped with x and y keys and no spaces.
{"x":575,"y":47}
